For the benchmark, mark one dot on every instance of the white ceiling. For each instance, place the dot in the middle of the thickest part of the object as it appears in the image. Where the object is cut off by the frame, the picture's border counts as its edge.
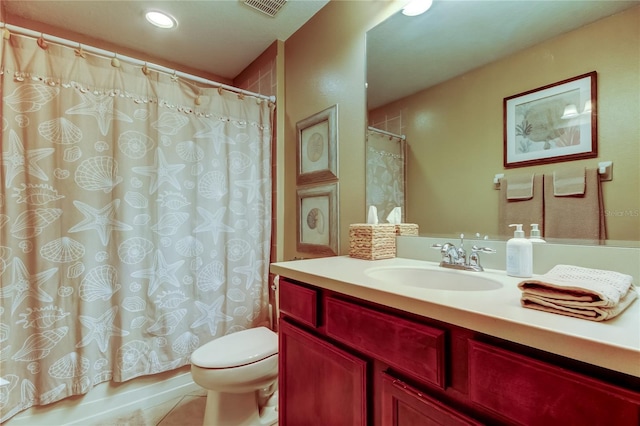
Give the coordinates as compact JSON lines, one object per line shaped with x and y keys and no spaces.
{"x":408,"y":54}
{"x":220,"y":37}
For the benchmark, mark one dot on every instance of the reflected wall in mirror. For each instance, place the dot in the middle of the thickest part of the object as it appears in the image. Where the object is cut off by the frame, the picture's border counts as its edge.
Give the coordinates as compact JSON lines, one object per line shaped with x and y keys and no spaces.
{"x":450,"y":106}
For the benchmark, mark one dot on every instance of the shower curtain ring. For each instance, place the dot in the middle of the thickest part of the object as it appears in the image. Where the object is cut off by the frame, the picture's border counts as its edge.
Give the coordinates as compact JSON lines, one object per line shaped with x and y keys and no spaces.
{"x":42,"y":43}
{"x":115,"y":62}
{"x":145,"y":69}
{"x":79,"y":52}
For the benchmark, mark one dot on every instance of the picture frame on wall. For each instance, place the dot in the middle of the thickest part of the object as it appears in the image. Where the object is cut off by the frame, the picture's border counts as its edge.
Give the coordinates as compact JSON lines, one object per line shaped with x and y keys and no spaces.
{"x":317,"y":216}
{"x":317,"y":151}
{"x":553,"y":123}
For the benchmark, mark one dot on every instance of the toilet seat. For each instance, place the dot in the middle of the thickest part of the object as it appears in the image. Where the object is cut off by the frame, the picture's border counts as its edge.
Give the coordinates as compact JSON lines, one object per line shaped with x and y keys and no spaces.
{"x":237,"y":349}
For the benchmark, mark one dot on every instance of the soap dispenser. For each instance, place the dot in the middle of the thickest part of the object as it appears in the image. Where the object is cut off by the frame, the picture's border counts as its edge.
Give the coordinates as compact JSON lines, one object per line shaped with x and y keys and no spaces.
{"x":519,"y":254}
{"x":535,"y":236}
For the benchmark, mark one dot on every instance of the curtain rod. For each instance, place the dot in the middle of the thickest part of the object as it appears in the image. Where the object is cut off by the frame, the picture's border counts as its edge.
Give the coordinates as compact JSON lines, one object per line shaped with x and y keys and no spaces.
{"x":108,"y":54}
{"x":384,"y":132}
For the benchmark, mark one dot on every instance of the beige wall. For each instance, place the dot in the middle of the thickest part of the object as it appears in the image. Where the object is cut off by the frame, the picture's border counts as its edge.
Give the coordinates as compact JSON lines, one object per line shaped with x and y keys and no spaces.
{"x":454,"y":130}
{"x":324,"y":66}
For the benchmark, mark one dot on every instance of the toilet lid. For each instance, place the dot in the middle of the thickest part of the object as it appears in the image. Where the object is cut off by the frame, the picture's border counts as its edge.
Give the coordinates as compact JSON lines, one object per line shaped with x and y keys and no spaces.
{"x":239,"y":348}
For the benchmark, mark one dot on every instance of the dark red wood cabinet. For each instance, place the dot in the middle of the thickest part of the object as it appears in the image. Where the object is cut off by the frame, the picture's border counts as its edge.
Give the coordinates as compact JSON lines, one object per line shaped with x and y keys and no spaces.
{"x":404,"y":405}
{"x":323,"y":384}
{"x":531,"y":392}
{"x":345,"y":361}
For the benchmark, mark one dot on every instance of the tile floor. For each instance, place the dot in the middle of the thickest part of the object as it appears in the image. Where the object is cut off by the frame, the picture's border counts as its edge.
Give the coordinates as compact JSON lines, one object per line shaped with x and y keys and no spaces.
{"x":187,"y":410}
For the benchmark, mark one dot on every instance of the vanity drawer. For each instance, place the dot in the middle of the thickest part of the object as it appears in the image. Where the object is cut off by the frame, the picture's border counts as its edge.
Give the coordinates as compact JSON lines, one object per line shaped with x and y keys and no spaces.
{"x":532,"y":392}
{"x":408,"y":346}
{"x":299,"y":302}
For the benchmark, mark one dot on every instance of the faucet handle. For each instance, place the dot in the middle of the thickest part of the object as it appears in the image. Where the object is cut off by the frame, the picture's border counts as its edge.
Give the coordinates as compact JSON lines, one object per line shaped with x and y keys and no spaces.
{"x":442,"y":247}
{"x":476,"y":249}
{"x":474,"y":259}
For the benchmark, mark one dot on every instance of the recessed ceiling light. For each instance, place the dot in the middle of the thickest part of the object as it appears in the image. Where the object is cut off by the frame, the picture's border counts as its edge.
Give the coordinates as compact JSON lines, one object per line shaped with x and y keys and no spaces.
{"x":160,"y":19}
{"x":417,"y":7}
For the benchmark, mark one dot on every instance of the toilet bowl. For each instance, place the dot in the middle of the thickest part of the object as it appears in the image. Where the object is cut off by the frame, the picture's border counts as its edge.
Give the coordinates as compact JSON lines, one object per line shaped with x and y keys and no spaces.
{"x":239,"y":372}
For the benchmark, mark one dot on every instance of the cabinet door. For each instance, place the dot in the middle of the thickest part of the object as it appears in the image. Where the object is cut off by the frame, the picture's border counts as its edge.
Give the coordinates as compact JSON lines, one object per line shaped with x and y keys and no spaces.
{"x":319,"y":384}
{"x":403,"y":405}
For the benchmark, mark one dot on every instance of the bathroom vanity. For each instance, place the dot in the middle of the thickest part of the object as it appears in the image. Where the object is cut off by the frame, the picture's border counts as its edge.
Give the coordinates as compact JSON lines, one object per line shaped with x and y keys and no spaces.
{"x":357,"y":350}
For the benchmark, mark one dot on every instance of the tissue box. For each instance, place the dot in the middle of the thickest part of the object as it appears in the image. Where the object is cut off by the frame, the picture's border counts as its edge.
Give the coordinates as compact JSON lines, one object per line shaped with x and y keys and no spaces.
{"x":372,"y":242}
{"x":409,"y":229}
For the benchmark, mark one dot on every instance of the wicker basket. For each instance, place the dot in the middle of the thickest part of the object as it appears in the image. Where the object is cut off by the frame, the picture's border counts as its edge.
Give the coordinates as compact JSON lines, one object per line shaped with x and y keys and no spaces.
{"x":408,"y":229}
{"x":372,"y":242}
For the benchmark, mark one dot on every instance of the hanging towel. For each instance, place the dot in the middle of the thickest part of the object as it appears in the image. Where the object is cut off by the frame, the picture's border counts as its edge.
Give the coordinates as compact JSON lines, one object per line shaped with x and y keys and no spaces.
{"x":569,"y":182}
{"x":574,"y":216}
{"x":579,"y":292}
{"x":520,"y":210}
{"x":520,"y":187}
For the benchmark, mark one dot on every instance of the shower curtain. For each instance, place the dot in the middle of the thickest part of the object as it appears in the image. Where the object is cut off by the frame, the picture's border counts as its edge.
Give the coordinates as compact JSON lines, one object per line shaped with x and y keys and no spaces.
{"x":134,"y":220}
{"x":385,"y":173}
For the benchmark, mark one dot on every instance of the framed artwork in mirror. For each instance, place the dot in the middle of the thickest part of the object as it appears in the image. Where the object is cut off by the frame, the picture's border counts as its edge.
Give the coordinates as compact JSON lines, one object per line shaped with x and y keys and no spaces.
{"x":317,"y":216}
{"x":317,"y":153}
{"x":553,"y":123}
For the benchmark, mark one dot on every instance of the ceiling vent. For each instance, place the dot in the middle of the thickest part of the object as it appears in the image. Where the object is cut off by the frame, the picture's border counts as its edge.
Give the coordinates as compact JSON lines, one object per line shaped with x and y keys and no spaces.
{"x":268,"y":7}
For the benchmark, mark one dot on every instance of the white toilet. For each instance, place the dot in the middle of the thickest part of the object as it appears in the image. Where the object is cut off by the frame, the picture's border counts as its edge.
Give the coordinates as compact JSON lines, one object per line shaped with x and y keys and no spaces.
{"x":240,"y":372}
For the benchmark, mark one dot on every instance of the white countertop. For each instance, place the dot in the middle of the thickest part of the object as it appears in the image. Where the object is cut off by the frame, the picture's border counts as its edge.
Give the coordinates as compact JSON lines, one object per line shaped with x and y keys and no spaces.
{"x":612,"y":344}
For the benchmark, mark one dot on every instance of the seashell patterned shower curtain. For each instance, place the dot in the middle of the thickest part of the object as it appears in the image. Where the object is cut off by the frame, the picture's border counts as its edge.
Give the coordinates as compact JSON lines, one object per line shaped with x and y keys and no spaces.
{"x":134,"y":220}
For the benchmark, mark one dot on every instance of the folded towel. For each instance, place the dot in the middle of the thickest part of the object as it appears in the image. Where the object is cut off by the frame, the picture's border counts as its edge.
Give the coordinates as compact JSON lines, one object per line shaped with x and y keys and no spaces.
{"x":594,"y":313}
{"x":520,"y":187}
{"x":586,"y":293}
{"x":568,"y":182}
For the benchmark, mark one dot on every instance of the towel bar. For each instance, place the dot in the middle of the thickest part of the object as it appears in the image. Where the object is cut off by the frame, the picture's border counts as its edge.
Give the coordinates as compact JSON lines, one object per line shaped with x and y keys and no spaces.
{"x":605,"y":170}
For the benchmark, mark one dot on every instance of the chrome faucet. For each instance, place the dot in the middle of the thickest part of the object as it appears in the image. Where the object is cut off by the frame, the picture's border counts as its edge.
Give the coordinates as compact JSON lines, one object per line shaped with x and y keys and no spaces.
{"x":456,"y":258}
{"x":449,"y":252}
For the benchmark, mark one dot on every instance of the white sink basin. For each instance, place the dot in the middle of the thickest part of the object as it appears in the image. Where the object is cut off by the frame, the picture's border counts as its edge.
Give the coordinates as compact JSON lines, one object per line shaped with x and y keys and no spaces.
{"x":433,"y":278}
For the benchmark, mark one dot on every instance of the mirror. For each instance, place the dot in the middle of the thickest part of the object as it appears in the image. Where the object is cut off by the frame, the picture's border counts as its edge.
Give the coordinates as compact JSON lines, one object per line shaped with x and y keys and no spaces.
{"x":440,"y":80}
